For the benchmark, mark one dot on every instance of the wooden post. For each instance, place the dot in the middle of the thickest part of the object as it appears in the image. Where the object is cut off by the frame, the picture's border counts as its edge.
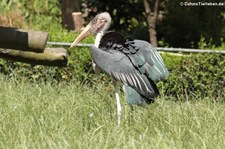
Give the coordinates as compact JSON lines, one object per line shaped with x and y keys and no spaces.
{"x":13,"y":38}
{"x":50,"y":57}
{"x":78,"y":21}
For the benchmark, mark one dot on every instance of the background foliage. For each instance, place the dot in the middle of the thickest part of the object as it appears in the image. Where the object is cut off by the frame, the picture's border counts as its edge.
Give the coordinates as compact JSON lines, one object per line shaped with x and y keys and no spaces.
{"x":36,"y":14}
{"x":184,"y":26}
{"x":177,"y":26}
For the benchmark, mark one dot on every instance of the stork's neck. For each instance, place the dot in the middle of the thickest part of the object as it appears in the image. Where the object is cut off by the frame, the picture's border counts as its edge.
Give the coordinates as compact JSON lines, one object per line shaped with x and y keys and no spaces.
{"x":98,"y":38}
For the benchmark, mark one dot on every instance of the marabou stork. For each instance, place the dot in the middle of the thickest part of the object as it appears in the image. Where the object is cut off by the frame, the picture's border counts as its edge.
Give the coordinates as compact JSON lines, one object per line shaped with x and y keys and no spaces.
{"x":135,"y":63}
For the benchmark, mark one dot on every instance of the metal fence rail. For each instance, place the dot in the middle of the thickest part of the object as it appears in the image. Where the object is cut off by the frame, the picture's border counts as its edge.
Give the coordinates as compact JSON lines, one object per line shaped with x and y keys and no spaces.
{"x":190,"y":50}
{"x":174,"y":50}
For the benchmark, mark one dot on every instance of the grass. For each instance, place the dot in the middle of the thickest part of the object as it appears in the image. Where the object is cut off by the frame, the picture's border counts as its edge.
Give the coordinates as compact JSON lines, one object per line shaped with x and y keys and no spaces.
{"x":40,"y":115}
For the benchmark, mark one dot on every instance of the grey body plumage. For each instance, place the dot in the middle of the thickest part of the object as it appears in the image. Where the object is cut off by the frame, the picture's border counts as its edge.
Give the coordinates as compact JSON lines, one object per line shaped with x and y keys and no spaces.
{"x":133,"y":62}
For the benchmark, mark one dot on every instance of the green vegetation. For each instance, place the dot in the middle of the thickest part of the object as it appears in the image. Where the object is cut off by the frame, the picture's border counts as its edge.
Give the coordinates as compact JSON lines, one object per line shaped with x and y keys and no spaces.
{"x":45,"y":115}
{"x":199,"y":75}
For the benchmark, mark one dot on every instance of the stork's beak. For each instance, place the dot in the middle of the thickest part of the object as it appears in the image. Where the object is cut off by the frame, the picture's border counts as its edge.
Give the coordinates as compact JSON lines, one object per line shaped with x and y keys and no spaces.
{"x":86,"y":32}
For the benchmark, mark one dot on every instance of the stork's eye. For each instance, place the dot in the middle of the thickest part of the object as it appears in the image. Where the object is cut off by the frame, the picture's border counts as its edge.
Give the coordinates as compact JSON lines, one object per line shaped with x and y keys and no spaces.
{"x":103,"y":20}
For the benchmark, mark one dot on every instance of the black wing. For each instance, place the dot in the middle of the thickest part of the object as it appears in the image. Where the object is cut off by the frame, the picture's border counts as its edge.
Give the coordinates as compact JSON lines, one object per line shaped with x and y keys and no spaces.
{"x":143,"y":56}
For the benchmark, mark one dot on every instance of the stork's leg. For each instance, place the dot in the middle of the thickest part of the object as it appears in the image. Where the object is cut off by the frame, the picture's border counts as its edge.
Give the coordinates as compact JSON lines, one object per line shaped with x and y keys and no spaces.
{"x":119,"y":108}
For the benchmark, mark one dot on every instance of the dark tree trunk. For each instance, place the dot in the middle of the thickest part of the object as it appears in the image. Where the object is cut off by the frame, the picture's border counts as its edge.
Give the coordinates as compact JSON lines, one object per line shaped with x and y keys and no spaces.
{"x":151,"y":18}
{"x":67,"y":8}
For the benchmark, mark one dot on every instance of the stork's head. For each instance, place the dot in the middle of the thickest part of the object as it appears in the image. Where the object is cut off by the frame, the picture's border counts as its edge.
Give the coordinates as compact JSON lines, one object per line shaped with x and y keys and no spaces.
{"x":100,"y":23}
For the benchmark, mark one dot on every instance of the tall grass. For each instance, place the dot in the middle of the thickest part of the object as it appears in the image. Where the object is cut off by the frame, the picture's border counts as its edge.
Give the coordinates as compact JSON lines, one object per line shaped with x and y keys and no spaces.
{"x":45,"y":115}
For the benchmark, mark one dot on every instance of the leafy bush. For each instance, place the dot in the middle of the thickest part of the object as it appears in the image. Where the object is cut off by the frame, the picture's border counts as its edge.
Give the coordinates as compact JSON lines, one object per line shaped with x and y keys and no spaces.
{"x":197,"y":75}
{"x":194,"y":75}
{"x":190,"y":75}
